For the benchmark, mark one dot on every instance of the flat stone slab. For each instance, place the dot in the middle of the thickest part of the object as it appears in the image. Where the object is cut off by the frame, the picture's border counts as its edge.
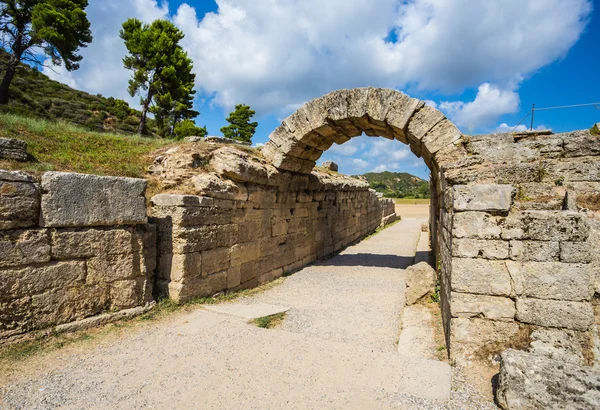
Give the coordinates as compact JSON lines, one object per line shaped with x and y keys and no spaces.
{"x":72,"y":200}
{"x":253,"y":311}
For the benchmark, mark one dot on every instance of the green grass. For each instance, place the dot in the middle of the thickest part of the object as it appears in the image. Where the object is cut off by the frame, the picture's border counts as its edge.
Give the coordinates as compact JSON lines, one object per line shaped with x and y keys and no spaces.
{"x":408,"y":201}
{"x":61,"y":146}
{"x":269,"y":322}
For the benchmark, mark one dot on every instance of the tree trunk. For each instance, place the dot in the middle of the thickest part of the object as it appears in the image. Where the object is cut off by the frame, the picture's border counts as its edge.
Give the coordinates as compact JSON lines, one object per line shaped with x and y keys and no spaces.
{"x":8,"y":77}
{"x":142,"y":128}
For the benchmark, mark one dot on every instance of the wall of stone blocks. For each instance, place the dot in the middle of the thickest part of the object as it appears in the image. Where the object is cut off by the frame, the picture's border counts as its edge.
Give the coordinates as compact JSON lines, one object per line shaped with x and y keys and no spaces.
{"x":214,"y":243}
{"x":521,"y":238}
{"x":71,"y":246}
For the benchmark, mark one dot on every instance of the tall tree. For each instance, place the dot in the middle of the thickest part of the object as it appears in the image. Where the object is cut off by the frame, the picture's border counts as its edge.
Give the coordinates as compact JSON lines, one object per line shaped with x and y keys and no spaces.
{"x":240,"y":128}
{"x":162,"y":72}
{"x":58,"y":27}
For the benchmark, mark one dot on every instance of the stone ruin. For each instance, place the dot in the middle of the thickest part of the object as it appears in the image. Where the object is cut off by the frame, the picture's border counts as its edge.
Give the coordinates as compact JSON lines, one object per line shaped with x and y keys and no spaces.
{"x":514,"y":222}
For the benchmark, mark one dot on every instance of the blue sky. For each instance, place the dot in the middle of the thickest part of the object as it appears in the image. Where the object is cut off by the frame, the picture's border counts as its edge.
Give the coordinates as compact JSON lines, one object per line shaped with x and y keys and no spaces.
{"x":483,"y":66}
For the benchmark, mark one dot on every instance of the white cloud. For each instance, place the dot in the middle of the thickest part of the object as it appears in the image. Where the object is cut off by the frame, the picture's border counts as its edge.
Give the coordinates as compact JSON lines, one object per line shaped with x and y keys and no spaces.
{"x":380,"y":168}
{"x":275,"y":55}
{"x":490,"y":104}
{"x":504,"y":127}
{"x":360,"y":163}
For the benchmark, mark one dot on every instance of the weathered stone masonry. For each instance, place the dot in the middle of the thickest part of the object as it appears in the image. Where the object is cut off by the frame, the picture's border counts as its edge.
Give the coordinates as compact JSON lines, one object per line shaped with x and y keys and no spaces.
{"x":71,"y":247}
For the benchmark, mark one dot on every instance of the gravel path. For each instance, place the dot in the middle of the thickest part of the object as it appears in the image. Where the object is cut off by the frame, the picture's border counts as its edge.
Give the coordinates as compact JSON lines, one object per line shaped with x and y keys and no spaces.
{"x":335,"y":349}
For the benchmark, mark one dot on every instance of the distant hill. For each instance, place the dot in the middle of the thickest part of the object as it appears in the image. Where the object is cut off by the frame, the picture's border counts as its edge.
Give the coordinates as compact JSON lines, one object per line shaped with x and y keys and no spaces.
{"x":398,"y":184}
{"x":33,"y":94}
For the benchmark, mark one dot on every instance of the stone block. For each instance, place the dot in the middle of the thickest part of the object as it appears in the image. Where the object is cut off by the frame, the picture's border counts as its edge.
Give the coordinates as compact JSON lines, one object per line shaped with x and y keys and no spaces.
{"x":111,"y":268}
{"x":551,"y":280}
{"x":212,"y":186}
{"x":575,"y":252}
{"x":70,"y":200}
{"x":238,"y":165}
{"x":481,"y":306}
{"x":126,"y":294}
{"x":245,"y":252}
{"x":555,"y":313}
{"x":180,"y":267}
{"x":440,"y":136}
{"x":535,"y":251}
{"x":88,"y":242}
{"x":182,"y":200}
{"x":399,"y":114}
{"x":330,"y":165}
{"x":19,"y":200}
{"x":529,"y":381}
{"x":420,"y":281}
{"x":477,"y":248}
{"x":480,"y":276}
{"x":215,"y":260}
{"x":421,"y":122}
{"x":14,"y":149}
{"x":560,"y":344}
{"x":477,"y":225}
{"x":472,"y":337}
{"x":24,"y":247}
{"x":546,"y":226}
{"x":280,"y":228}
{"x":32,"y":280}
{"x":483,"y":197}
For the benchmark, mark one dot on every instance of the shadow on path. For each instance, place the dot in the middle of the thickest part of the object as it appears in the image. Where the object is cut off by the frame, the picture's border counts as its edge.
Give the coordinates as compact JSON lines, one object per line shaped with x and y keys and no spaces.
{"x":369,"y":259}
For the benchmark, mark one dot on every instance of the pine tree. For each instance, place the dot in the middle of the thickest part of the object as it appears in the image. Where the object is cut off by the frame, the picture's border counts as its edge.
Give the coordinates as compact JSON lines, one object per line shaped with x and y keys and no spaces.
{"x":240,"y":127}
{"x":34,"y":29}
{"x":162,"y":70}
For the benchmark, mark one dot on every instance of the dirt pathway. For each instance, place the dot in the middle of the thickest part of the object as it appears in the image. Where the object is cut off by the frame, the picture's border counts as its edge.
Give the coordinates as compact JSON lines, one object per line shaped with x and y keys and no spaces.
{"x":335,"y":349}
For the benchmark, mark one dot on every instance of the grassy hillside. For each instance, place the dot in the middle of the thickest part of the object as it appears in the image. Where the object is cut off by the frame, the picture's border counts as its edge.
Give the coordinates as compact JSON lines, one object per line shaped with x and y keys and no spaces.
{"x":35,"y":95}
{"x":398,"y":184}
{"x":61,"y":146}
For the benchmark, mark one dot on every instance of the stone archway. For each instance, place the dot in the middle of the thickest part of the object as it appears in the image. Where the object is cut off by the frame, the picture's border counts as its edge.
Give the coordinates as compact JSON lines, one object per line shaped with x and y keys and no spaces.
{"x":341,"y":115}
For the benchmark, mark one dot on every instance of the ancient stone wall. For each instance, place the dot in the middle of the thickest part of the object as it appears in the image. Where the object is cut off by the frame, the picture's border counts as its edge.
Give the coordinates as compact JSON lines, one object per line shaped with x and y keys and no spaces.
{"x":71,"y":247}
{"x":253,"y":224}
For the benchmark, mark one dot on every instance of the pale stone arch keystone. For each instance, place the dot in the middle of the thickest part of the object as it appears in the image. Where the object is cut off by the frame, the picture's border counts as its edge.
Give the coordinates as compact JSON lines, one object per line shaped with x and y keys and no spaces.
{"x":337,"y":117}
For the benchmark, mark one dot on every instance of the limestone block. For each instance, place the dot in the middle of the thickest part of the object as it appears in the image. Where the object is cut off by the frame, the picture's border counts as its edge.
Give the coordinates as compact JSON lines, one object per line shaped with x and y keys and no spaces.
{"x":482,"y":197}
{"x":14,"y":149}
{"x":423,"y":121}
{"x":479,"y":225}
{"x":379,"y":103}
{"x":126,"y":294}
{"x":480,"y":306}
{"x":238,"y":165}
{"x":280,"y":228}
{"x":357,"y":102}
{"x":182,"y":200}
{"x":262,"y":196}
{"x":212,"y":186}
{"x":191,"y":216}
{"x":575,"y":252}
{"x":529,"y":381}
{"x":32,"y":280}
{"x":555,"y":313}
{"x":180,"y":267}
{"x":90,"y":200}
{"x":441,"y":135}
{"x":480,"y":276}
{"x":330,"y":165}
{"x":84,"y":243}
{"x":111,"y":268}
{"x":470,"y":336}
{"x":551,"y":280}
{"x":546,"y":226}
{"x":215,"y":260}
{"x":19,"y":200}
{"x":244,"y":252}
{"x":560,"y":344}
{"x":535,"y":251}
{"x":400,"y":112}
{"x":581,"y":144}
{"x":477,"y":248}
{"x":420,"y":281}
{"x":24,"y":247}
{"x":198,"y":288}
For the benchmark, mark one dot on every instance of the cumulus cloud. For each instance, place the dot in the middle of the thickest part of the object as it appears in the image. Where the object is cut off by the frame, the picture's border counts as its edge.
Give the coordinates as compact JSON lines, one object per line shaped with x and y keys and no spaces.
{"x":504,"y":127}
{"x":275,"y":55}
{"x":490,"y":104}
